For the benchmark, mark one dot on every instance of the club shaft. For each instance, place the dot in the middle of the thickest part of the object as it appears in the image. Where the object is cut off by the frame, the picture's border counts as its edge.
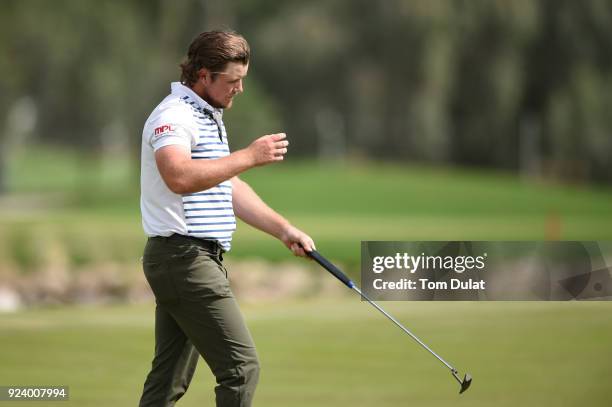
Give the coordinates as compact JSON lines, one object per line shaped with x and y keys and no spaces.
{"x":396,"y":322}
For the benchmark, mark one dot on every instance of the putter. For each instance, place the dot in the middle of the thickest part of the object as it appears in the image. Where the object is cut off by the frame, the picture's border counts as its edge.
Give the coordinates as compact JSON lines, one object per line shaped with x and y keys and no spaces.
{"x":327,"y":265}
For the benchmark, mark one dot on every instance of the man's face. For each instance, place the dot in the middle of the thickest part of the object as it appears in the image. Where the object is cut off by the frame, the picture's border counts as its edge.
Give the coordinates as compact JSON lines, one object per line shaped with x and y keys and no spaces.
{"x":220,"y":91}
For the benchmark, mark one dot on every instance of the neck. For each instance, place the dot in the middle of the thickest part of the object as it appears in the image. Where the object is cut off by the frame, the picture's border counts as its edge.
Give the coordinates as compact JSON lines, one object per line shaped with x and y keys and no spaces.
{"x":200,"y":90}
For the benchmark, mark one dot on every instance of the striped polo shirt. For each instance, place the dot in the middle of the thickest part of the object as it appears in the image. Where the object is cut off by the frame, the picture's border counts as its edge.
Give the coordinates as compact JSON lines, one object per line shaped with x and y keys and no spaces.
{"x":183,"y":118}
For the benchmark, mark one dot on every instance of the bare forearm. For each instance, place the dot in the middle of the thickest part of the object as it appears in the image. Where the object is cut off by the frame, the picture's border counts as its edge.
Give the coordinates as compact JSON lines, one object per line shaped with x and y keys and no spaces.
{"x":184,"y":175}
{"x":249,"y":207}
{"x":199,"y":175}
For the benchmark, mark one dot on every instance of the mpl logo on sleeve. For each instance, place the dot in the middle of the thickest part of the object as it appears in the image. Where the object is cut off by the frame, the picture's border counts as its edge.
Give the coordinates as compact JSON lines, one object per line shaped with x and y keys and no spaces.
{"x":163,"y":130}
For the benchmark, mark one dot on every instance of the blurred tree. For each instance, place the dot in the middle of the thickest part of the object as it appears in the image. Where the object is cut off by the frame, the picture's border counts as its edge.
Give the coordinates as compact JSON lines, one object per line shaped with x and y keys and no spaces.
{"x":569,"y":66}
{"x":502,"y":83}
{"x":489,"y":80}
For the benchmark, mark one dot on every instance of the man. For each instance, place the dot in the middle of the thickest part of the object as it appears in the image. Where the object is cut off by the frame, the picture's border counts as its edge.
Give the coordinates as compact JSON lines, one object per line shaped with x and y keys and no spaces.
{"x":190,"y":195}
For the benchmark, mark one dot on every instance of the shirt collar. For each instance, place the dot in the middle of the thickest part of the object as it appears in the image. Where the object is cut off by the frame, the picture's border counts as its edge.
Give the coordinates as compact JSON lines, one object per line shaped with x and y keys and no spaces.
{"x":179,"y":89}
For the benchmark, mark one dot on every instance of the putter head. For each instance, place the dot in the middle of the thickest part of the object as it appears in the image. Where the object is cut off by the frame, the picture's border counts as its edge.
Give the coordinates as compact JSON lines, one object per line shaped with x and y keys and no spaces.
{"x":465,"y":383}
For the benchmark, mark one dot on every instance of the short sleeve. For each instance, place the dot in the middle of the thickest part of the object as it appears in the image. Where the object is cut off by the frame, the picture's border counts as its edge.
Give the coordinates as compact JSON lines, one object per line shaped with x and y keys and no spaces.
{"x":171,"y":126}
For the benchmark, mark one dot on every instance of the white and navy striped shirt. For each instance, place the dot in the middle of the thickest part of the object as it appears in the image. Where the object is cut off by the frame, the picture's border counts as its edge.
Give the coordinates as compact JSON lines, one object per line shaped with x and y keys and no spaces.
{"x":184,"y":118}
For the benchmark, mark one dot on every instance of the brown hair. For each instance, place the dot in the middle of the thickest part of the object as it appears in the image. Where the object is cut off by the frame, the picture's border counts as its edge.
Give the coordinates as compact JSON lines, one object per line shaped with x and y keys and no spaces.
{"x":213,"y":50}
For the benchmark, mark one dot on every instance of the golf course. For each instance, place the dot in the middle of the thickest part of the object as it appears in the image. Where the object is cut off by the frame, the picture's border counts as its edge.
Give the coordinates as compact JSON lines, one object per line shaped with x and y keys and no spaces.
{"x":446,"y":167}
{"x":316,"y":350}
{"x":336,"y":352}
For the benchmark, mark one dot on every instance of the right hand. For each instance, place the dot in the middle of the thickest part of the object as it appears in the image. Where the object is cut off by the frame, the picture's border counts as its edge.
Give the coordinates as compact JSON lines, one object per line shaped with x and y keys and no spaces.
{"x":268,"y":149}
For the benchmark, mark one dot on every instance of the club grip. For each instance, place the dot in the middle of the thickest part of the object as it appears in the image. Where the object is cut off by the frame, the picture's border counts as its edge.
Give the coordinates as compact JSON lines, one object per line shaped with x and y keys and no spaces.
{"x":327,"y":265}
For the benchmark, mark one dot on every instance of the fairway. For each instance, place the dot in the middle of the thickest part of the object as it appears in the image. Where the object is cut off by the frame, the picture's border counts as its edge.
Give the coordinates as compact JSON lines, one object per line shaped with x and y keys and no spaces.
{"x":321,"y":352}
{"x":338,"y":352}
{"x":339,"y":204}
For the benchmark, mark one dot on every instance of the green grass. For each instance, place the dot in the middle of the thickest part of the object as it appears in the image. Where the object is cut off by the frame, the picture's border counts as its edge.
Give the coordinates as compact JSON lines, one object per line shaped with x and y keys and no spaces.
{"x":92,"y":209}
{"x":336,"y":353}
{"x":399,"y":190}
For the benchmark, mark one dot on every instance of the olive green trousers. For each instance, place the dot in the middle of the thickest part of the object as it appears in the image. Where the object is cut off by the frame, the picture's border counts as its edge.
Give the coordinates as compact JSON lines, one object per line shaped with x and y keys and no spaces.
{"x":196,"y":314}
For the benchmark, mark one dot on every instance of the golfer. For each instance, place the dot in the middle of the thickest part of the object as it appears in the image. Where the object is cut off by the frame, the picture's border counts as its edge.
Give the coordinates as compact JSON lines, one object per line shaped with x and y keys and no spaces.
{"x":190,"y":196}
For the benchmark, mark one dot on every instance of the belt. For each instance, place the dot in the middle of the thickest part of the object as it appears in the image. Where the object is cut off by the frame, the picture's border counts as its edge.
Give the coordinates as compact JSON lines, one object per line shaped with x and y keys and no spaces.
{"x":210,"y":245}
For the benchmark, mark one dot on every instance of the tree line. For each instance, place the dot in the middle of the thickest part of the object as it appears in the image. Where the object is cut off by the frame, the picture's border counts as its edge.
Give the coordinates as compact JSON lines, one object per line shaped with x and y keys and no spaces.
{"x":522,"y":85}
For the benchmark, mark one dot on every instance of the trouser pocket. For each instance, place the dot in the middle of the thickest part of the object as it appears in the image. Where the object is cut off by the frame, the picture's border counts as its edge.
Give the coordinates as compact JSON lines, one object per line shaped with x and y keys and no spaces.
{"x":160,"y":279}
{"x":201,"y":278}
{"x":183,"y":272}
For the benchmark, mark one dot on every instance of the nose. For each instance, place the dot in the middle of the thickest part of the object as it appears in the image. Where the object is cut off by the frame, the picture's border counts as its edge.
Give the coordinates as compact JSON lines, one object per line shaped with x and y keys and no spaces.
{"x":240,"y":88}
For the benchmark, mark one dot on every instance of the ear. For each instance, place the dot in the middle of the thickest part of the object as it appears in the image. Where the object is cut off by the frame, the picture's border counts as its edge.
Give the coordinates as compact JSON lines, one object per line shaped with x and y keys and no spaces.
{"x":204,"y":76}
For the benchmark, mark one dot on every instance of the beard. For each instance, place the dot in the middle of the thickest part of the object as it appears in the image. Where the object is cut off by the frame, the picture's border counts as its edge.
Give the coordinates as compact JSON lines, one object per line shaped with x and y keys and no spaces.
{"x":219,"y":104}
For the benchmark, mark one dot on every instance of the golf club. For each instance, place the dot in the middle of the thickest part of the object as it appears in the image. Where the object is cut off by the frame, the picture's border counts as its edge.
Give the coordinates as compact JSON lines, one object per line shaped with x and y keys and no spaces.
{"x":327,"y":265}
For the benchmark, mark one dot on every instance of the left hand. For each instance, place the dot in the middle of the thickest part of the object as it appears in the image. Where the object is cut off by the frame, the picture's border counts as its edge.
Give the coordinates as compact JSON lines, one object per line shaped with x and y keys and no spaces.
{"x":297,"y":241}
